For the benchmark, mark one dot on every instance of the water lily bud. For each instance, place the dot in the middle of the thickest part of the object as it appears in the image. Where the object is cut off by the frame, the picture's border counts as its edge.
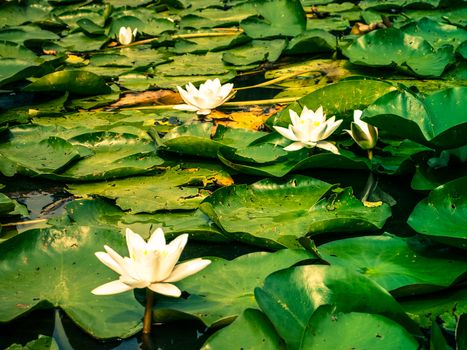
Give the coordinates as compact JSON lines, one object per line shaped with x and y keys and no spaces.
{"x":364,"y":134}
{"x":309,"y":130}
{"x":126,"y":35}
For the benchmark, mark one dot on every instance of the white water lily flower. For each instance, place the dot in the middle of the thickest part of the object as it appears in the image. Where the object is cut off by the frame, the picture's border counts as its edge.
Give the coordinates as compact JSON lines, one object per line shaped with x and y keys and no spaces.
{"x":151,"y":264}
{"x":210,"y":95}
{"x":309,"y":130}
{"x":126,"y":35}
{"x":364,"y":134}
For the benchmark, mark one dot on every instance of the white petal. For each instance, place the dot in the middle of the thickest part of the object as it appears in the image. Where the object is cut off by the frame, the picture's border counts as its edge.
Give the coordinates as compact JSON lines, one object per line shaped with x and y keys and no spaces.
{"x":189,"y":108}
{"x":187,"y":269}
{"x":172,"y":254}
{"x":294,"y":146}
{"x":107,"y":260}
{"x":113,"y":287}
{"x":294,"y":118}
{"x":287,"y":133}
{"x":134,"y":283}
{"x":328,"y":146}
{"x":136,"y":244}
{"x":357,"y":114}
{"x":225,"y":90}
{"x":165,"y":289}
{"x":184,"y":95}
{"x":157,"y":239}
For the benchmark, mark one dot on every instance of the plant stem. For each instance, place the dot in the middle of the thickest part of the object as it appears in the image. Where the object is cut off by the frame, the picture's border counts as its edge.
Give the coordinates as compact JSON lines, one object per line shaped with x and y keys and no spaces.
{"x":370,"y":154}
{"x":370,"y":186}
{"x":29,"y":222}
{"x":184,"y":36}
{"x":147,"y":321}
{"x":278,"y":79}
{"x":227,"y":104}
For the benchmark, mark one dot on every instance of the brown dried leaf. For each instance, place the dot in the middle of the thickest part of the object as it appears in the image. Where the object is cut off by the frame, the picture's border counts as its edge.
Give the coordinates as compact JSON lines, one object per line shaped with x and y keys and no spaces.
{"x":253,"y":118}
{"x":159,"y":97}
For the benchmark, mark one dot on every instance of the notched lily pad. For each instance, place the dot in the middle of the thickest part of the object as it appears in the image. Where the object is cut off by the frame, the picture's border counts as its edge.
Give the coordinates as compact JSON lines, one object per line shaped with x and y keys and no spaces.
{"x":442,"y":215}
{"x":53,"y":258}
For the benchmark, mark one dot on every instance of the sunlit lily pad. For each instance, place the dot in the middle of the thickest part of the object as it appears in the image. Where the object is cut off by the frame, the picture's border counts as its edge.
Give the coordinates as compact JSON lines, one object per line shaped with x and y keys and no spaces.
{"x":62,"y":264}
{"x":442,"y":215}
{"x":392,"y":47}
{"x":316,"y":285}
{"x":437,"y":120}
{"x":173,"y":189}
{"x":224,"y":289}
{"x":113,"y":155}
{"x":279,"y":212}
{"x":400,"y":266}
{"x":379,"y":332}
{"x":74,"y":81}
{"x":251,"y":330}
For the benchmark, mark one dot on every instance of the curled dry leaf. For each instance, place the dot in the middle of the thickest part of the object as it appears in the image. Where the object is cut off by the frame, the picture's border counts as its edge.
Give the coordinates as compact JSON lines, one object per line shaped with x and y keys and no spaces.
{"x":159,"y":97}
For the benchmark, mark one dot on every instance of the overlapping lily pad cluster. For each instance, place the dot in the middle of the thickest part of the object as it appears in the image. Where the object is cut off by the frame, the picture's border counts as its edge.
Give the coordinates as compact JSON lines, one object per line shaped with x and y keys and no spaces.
{"x":290,"y":209}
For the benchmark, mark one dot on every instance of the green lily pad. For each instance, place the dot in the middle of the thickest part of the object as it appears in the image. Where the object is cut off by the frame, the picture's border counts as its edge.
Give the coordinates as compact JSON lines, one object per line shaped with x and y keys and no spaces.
{"x":173,"y":189}
{"x":188,"y":65}
{"x":289,"y":298}
{"x":393,"y":47}
{"x":45,"y":156}
{"x":202,"y":45}
{"x":447,"y":307}
{"x":17,"y":62}
{"x":24,"y":33}
{"x":251,"y":330}
{"x":441,"y":215}
{"x":41,"y":343}
{"x":282,"y":210}
{"x":311,"y":41}
{"x":113,"y":155}
{"x":400,"y":266}
{"x":6,"y":204}
{"x":196,"y":139}
{"x":437,"y":120}
{"x":275,"y":18}
{"x":74,"y":81}
{"x":98,"y":212}
{"x":254,"y":52}
{"x":53,"y":258}
{"x":379,"y":332}
{"x":436,"y":33}
{"x":225,"y":288}
{"x":216,"y":17}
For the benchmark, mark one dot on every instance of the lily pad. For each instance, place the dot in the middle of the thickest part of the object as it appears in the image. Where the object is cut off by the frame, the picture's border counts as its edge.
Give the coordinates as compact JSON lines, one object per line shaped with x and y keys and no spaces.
{"x":447,"y":307}
{"x":400,"y":266}
{"x":441,"y":215}
{"x":392,"y":47}
{"x":50,"y":155}
{"x":113,"y":155}
{"x":41,"y":343}
{"x":74,"y":81}
{"x":281,"y":211}
{"x":289,"y":298}
{"x":173,"y":189}
{"x":380,"y":332}
{"x":225,"y":288}
{"x":99,"y":212}
{"x":251,"y":330}
{"x":437,"y":120}
{"x":275,"y":18}
{"x":53,"y":258}
{"x":254,"y":52}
